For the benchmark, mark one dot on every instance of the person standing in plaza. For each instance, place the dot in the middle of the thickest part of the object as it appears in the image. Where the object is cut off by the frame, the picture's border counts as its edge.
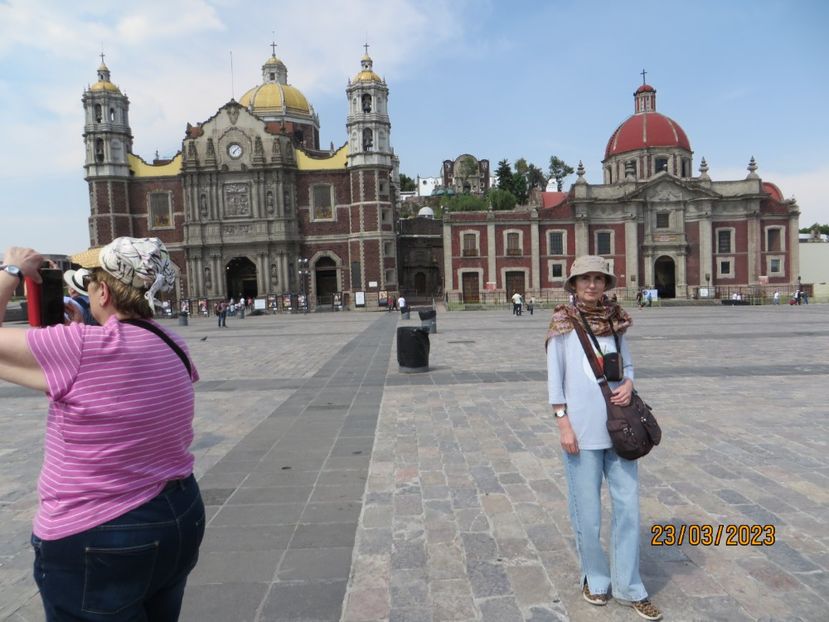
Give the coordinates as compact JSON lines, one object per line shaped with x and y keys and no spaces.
{"x":516,"y":303}
{"x":221,"y":313}
{"x":120,"y":517}
{"x":589,"y":458}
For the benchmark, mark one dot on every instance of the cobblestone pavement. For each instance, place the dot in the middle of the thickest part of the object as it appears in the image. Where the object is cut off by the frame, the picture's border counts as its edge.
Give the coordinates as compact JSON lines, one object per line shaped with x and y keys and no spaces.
{"x":461,"y":512}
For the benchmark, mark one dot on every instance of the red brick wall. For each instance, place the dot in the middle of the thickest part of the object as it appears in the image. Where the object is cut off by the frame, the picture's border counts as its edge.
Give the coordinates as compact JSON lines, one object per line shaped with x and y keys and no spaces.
{"x":693,"y":269}
{"x":139,"y":192}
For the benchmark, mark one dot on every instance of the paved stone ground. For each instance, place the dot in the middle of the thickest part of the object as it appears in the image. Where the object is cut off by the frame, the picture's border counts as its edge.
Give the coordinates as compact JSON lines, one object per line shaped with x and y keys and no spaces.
{"x":460,"y":514}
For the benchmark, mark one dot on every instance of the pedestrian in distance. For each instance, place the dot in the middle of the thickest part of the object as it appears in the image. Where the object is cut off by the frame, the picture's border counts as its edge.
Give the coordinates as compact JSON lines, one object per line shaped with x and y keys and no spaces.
{"x":516,"y":303}
{"x":120,"y":517}
{"x":221,"y":313}
{"x":580,"y":413}
{"x":531,"y":304}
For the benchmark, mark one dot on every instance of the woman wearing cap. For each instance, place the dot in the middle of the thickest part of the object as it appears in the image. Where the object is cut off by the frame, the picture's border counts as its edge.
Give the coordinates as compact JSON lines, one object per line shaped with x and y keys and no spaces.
{"x":588,"y":455}
{"x":120,"y":517}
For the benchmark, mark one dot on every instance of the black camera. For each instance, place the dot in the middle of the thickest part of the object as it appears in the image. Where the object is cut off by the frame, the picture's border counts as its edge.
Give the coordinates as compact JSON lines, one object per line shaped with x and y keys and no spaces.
{"x":614,"y":366}
{"x":45,"y":299}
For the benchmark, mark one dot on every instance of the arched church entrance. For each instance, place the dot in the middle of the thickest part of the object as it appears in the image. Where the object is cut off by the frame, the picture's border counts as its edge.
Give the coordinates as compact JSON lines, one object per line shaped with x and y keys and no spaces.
{"x":241,"y":278}
{"x":664,"y":271}
{"x":325,"y":274}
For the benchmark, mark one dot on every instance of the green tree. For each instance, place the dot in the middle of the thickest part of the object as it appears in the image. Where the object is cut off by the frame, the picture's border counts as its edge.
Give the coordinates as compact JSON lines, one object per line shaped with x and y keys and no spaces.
{"x":535,"y":177}
{"x":503,"y":175}
{"x":464,"y":203}
{"x":407,"y":184}
{"x":559,"y":170}
{"x":501,"y":200}
{"x":519,"y":188}
{"x":521,"y":166}
{"x":821,"y":229}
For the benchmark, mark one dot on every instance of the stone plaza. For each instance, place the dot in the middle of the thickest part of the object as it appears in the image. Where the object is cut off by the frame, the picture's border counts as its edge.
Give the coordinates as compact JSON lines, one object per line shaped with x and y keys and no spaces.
{"x":339,"y":489}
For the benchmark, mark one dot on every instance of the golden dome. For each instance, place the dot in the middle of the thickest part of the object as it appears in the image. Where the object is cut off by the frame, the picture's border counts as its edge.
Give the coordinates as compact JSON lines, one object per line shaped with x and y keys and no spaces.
{"x":105,"y":85}
{"x":273,"y":97}
{"x":366,"y":75}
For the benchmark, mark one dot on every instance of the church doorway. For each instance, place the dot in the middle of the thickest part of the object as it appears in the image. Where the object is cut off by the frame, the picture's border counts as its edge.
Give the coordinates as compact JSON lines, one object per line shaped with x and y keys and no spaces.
{"x":241,"y":278}
{"x":325,"y":274}
{"x":514,"y":283}
{"x":420,"y":284}
{"x":664,"y":271}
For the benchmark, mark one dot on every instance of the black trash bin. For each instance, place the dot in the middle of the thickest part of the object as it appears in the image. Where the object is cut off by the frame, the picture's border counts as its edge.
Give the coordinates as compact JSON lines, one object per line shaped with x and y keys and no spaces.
{"x":182,"y":318}
{"x":412,"y":349}
{"x":428,"y":320}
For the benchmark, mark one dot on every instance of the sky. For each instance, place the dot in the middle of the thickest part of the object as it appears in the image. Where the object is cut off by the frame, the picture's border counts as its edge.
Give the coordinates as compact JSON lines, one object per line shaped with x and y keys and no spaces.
{"x":492,"y":78}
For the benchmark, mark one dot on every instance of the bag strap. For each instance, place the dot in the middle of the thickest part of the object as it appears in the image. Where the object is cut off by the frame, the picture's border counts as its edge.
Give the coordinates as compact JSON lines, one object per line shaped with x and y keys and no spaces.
{"x":593,"y":337}
{"x":173,"y":345}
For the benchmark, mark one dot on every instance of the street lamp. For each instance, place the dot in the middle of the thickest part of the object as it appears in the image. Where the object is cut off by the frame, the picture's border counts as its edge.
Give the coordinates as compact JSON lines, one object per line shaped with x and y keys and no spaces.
{"x":303,"y":271}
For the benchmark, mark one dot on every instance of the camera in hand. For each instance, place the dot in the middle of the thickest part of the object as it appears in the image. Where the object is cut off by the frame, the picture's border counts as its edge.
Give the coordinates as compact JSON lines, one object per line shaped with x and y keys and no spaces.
{"x":45,"y":299}
{"x":614,"y":367}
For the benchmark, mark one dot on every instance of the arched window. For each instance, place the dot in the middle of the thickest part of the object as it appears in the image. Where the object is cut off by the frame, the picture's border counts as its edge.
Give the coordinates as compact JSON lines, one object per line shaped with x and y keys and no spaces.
{"x":366,"y":99}
{"x":368,"y":139}
{"x":99,"y":115}
{"x":112,"y":114}
{"x":99,"y":149}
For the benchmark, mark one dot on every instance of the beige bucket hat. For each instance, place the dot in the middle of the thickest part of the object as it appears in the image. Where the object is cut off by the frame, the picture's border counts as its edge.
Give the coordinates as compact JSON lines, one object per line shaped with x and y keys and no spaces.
{"x":589,"y":263}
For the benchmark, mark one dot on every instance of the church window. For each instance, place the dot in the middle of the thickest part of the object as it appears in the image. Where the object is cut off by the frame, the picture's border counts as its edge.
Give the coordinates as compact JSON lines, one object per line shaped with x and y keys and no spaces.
{"x":112,"y":114}
{"x":356,"y":277}
{"x":661,"y":165}
{"x":299,"y":137}
{"x":99,"y":115}
{"x":388,"y":249}
{"x":773,"y":239}
{"x":385,"y":215}
{"x":366,"y":99}
{"x":322,"y":206}
{"x":775,"y":265}
{"x":604,"y":242}
{"x":725,"y":240}
{"x":99,"y":149}
{"x":161,"y":213}
{"x":513,"y":244}
{"x":390,"y":277}
{"x":272,"y":76}
{"x":286,"y":200}
{"x":663,"y":220}
{"x":368,"y":140}
{"x":556,"y":243}
{"x":686,"y":167}
{"x":556,"y":270}
{"x":724,"y":268}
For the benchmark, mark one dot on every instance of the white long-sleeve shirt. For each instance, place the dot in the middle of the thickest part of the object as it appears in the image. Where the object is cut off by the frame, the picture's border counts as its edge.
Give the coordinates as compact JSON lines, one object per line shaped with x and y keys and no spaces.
{"x":571,"y":381}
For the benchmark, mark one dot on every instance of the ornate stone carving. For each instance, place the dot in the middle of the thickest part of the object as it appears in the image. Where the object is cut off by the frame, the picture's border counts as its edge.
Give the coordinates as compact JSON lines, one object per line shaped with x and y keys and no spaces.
{"x":269,"y":202}
{"x":665,"y":192}
{"x":237,"y":200}
{"x":203,"y":205}
{"x":237,"y":229}
{"x":233,"y":114}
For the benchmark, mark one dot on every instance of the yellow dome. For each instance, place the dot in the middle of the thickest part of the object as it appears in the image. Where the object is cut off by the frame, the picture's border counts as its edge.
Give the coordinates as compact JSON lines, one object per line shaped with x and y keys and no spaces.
{"x":272,"y":97}
{"x":367,"y":76}
{"x":105,"y":85}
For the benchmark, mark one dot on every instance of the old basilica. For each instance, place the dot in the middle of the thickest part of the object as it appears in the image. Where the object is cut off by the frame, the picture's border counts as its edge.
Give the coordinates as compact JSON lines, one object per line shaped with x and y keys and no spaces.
{"x":251,"y":205}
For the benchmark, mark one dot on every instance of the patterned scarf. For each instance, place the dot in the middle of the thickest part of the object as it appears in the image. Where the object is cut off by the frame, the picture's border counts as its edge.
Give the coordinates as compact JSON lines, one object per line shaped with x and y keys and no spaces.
{"x":599,"y":318}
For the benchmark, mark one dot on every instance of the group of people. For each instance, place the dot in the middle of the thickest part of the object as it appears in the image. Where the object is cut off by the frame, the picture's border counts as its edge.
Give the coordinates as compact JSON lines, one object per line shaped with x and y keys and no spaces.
{"x":518,"y":304}
{"x":120,"y":516}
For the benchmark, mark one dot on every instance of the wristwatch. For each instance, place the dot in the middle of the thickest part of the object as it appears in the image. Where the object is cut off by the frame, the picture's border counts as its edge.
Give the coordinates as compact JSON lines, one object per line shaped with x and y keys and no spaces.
{"x":13,"y":270}
{"x":561,"y":412}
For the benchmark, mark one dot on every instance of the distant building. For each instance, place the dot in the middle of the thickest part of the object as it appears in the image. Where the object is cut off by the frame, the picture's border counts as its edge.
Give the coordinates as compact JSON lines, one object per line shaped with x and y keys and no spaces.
{"x":656,"y":223}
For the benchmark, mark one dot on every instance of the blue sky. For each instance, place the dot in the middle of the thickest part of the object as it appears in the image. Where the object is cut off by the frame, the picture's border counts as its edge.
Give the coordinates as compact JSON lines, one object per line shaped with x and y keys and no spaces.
{"x":496,"y":79}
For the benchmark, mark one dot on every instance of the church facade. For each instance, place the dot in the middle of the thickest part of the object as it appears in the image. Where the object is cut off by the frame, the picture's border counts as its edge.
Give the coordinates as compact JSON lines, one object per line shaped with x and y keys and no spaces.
{"x":251,"y":206}
{"x":658,"y":225}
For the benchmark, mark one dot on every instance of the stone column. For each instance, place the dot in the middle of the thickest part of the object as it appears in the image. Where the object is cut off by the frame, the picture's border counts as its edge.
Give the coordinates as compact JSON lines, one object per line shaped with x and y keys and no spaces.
{"x":706,"y":248}
{"x":535,"y":252}
{"x":794,"y":247}
{"x":631,"y":250}
{"x":448,"y":273}
{"x":753,"y":246}
{"x":681,"y":274}
{"x":492,"y":275}
{"x":582,"y":235}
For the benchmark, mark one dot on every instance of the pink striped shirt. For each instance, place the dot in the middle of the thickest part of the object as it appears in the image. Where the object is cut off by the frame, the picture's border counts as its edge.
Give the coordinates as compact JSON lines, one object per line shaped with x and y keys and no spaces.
{"x":119,"y":426}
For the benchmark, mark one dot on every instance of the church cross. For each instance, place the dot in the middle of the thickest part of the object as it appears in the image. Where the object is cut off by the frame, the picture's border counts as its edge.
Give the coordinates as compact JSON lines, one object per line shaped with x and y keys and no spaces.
{"x":643,"y":76}
{"x":365,"y":45}
{"x":273,"y":45}
{"x":102,"y":57}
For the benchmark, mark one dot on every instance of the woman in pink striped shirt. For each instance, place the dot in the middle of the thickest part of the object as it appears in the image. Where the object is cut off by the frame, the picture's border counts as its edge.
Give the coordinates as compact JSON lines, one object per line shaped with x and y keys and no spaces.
{"x":120,"y":518}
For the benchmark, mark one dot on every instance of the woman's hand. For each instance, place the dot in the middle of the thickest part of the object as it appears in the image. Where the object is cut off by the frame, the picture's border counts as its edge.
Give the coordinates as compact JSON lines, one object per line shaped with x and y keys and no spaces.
{"x":27,"y":259}
{"x":567,"y":437}
{"x":621,"y":394}
{"x":73,"y":313}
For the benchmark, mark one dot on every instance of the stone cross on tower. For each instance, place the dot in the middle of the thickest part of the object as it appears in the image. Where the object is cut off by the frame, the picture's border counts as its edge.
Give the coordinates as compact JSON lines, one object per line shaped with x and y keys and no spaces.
{"x":643,"y":76}
{"x":365,"y":45}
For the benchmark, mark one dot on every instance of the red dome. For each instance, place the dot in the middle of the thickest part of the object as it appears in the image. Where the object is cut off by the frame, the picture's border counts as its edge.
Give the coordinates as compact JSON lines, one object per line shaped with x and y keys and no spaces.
{"x":645,"y":88}
{"x":773,"y":190}
{"x":646,"y":129}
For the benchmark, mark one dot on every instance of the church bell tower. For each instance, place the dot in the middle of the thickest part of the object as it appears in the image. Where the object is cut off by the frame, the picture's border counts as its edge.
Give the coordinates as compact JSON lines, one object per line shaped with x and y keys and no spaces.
{"x":108,"y":140}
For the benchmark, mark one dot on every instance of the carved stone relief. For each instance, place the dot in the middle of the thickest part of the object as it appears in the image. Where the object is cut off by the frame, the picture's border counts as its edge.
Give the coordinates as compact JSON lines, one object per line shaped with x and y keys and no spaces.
{"x":237,"y":200}
{"x":233,"y":114}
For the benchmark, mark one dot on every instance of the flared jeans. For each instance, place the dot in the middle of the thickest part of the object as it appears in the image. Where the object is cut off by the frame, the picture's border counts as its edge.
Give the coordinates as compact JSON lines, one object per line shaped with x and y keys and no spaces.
{"x":585,"y":472}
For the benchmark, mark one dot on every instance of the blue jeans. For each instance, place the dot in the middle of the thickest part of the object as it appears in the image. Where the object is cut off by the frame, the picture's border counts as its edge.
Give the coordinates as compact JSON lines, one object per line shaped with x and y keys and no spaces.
{"x":585,"y":471}
{"x":133,"y":568}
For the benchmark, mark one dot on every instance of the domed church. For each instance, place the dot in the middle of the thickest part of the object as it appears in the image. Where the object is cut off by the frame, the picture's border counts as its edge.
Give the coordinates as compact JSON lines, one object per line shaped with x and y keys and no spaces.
{"x":659,"y":226}
{"x":251,"y":205}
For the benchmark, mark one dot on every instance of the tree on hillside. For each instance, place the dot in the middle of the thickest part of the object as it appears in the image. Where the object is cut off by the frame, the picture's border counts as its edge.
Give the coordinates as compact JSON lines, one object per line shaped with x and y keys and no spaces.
{"x":519,"y":188}
{"x":501,"y":200}
{"x":820,"y":228}
{"x":407,"y":184}
{"x":503,"y":175}
{"x":559,"y":170}
{"x":465,"y":203}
